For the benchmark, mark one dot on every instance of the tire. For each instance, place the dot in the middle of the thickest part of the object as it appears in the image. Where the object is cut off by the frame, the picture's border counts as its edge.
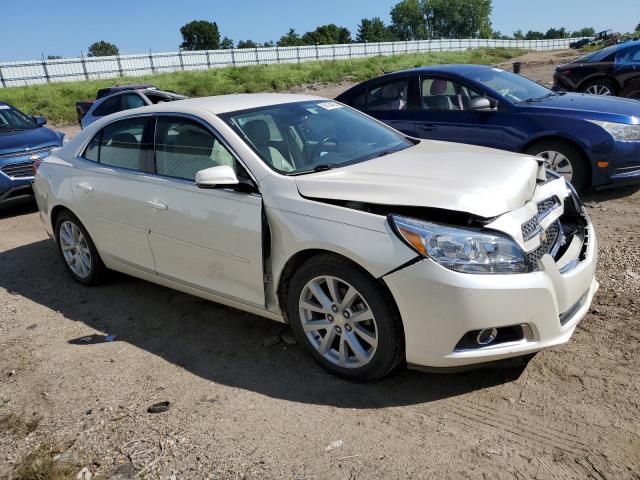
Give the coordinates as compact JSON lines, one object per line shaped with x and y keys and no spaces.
{"x":366,"y":360}
{"x":85,"y":266}
{"x":601,"y":85}
{"x":579,"y":169}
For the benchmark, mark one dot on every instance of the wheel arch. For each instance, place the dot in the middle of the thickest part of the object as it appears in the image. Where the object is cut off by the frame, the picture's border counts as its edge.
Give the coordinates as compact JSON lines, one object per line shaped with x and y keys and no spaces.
{"x":563,"y":139}
{"x":302,"y":256}
{"x":55,"y":213}
{"x":600,"y":76}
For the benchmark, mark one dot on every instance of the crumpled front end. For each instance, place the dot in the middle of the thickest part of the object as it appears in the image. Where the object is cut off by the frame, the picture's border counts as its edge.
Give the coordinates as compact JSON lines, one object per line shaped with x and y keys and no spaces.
{"x":453,"y":319}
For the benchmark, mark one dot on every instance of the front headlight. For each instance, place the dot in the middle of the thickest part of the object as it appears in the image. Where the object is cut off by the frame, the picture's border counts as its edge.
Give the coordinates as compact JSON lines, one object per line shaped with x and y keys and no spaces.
{"x":460,"y":249}
{"x":622,"y":132}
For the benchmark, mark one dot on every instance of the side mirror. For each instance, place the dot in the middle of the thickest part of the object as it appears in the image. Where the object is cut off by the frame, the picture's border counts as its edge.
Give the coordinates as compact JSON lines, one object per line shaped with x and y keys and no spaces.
{"x":480,"y":103}
{"x":222,"y":175}
{"x":40,"y":120}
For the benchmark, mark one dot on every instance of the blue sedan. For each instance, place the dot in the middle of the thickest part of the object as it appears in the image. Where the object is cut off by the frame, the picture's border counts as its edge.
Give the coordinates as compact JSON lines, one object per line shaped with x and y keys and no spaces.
{"x":593,"y":141}
{"x":23,"y":140}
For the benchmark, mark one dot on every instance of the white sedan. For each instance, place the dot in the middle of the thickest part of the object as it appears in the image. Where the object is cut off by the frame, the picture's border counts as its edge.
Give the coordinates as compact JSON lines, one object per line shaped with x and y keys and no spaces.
{"x":377,"y":248}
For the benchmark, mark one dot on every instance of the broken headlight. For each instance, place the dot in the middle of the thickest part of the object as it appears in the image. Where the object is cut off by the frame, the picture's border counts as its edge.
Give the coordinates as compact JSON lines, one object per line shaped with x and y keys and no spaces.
{"x":461,"y":249}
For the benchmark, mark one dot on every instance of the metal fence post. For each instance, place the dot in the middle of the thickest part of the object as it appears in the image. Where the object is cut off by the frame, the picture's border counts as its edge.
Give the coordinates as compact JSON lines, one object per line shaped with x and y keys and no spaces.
{"x":84,"y":66}
{"x":233,"y":57}
{"x":46,"y":71}
{"x":153,"y":67}
{"x":257,"y":59}
{"x":119,"y":65}
{"x":298,"y":54}
{"x":349,"y":50}
{"x":180,"y":57}
{"x":2,"y":82}
{"x":277,"y":54}
{"x":333,"y":51}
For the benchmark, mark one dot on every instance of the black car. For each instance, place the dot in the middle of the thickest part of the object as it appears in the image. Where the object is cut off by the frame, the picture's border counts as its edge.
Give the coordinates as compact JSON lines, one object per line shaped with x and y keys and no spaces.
{"x":613,"y":70}
{"x":580,"y":43}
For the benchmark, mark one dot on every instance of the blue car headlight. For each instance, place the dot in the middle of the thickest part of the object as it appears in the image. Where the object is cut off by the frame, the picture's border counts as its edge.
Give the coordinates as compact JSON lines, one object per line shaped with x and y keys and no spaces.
{"x":622,"y":132}
{"x":462,"y":250}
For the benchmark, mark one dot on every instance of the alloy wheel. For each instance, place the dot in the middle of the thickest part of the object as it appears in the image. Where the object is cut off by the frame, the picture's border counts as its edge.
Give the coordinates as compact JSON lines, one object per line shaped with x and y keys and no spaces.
{"x":598,"y":89}
{"x":75,"y":249}
{"x":558,"y":163}
{"x":338,"y":322}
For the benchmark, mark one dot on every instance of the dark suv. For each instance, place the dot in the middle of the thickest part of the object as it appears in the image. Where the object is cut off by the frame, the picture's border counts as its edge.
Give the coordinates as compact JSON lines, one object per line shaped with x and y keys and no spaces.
{"x":613,"y":70}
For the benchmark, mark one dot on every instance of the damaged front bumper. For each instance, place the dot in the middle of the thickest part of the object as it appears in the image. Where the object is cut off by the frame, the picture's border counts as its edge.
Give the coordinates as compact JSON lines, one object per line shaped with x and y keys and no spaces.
{"x":443,"y":311}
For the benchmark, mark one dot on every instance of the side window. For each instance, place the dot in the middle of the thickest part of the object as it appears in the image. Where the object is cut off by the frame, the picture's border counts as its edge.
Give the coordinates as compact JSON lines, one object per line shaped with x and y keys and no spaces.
{"x":121,"y":144}
{"x":132,"y":100}
{"x":92,"y":152}
{"x":441,"y":94}
{"x":628,"y":55}
{"x":389,"y":96}
{"x":109,"y":106}
{"x":359,"y":100}
{"x":184,"y":147}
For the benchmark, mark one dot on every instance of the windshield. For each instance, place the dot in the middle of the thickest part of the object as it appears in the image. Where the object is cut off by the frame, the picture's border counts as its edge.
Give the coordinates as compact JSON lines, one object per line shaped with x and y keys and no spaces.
{"x":509,"y":85}
{"x":12,"y":119}
{"x":303,"y":137}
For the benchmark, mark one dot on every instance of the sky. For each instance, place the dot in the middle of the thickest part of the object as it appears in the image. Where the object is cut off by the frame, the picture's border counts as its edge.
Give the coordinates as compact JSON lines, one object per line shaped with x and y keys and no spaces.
{"x":31,"y":28}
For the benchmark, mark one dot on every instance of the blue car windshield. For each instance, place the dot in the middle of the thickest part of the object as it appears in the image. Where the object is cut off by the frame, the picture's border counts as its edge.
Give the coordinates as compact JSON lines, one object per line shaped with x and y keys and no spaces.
{"x":305,"y":137}
{"x":510,"y":86}
{"x":12,"y":119}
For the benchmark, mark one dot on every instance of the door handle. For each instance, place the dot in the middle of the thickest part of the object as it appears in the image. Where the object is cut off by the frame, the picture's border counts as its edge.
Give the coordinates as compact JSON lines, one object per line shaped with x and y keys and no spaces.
{"x":85,"y":186}
{"x":426,"y":126}
{"x":157,"y":205}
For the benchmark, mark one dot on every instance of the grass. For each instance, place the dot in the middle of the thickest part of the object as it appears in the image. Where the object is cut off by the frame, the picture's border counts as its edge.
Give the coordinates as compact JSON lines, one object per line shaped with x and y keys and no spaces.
{"x":57,"y":100}
{"x":40,"y":465}
{"x":17,"y":425}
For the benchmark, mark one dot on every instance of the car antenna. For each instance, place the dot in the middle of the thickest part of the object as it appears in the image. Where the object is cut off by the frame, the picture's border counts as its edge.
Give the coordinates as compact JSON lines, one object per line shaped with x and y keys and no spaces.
{"x":381,"y":67}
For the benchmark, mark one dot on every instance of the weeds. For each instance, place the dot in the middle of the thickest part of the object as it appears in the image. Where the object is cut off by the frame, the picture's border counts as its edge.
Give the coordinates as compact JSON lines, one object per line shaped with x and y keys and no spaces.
{"x":19,"y":426}
{"x":40,"y":465}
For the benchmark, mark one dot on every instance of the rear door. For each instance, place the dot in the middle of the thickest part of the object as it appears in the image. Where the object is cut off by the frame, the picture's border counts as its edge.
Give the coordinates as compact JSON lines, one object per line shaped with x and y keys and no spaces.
{"x":391,"y":102}
{"x":109,"y":183}
{"x":210,"y":239}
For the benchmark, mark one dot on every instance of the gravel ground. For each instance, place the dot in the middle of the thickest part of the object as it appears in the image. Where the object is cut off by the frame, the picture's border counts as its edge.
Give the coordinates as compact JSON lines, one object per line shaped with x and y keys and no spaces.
{"x":240,"y":409}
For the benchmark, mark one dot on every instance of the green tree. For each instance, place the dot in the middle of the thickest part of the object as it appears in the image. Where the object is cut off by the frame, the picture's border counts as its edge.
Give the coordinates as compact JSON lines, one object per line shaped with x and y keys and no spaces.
{"x":518,"y":35}
{"x":270,"y":43}
{"x":226,"y":43}
{"x":102,"y":49}
{"x":533,"y":35}
{"x":457,"y":18}
{"x":584,"y":32}
{"x":407,"y":20}
{"x":556,"y":33}
{"x":637,"y":28}
{"x":247,"y":44}
{"x":200,"y":35}
{"x":373,"y":30}
{"x":290,"y":39}
{"x":327,"y":35}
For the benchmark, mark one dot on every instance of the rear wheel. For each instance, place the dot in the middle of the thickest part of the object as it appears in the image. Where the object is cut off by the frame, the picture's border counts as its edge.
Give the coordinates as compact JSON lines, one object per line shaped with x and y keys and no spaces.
{"x":599,"y":87}
{"x":344,"y":319}
{"x":78,"y":251}
{"x":563,"y":159}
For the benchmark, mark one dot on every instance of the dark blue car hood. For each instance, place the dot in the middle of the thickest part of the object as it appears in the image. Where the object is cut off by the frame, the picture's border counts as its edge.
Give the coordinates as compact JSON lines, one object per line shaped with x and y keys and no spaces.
{"x":579,"y":104}
{"x":29,"y":139}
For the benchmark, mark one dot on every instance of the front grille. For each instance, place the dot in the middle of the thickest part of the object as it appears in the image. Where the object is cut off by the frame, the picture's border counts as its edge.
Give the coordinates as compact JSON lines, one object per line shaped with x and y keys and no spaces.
{"x":18,"y":170}
{"x":552,"y":235}
{"x":532,"y":227}
{"x":26,"y":153}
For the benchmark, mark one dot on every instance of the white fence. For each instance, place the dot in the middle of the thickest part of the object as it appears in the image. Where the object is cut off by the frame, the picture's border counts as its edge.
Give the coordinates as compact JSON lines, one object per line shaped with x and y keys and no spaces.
{"x":89,"y":68}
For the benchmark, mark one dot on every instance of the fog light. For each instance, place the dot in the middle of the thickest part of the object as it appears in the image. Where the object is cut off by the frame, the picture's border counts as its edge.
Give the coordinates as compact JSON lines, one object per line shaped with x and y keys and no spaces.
{"x":486,"y":336}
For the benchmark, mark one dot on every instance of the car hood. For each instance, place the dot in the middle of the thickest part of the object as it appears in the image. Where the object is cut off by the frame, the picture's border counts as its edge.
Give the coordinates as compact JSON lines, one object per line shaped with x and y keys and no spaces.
{"x":22,"y":140}
{"x":450,"y":176}
{"x":581,"y":104}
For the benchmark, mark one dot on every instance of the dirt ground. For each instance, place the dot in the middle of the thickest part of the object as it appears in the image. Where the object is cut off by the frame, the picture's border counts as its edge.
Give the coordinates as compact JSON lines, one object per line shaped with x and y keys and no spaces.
{"x":240,"y":409}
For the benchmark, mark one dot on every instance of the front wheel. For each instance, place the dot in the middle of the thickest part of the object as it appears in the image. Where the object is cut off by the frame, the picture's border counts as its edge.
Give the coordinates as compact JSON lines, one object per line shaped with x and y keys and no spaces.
{"x":563,"y":159}
{"x":344,"y":319}
{"x":78,"y":251}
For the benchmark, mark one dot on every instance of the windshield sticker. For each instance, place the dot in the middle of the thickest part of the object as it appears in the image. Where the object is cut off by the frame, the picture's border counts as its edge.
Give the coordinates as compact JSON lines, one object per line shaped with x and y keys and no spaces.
{"x":330,"y":105}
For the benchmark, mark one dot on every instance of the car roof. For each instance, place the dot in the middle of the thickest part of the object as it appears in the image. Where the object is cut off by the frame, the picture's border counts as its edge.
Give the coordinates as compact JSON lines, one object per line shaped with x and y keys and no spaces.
{"x":231,"y":103}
